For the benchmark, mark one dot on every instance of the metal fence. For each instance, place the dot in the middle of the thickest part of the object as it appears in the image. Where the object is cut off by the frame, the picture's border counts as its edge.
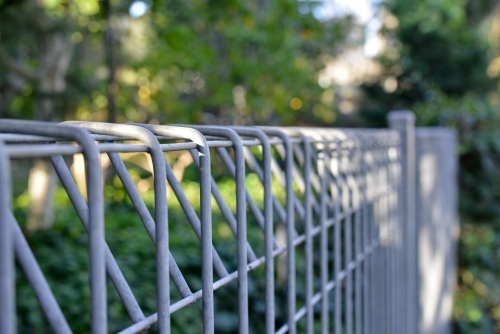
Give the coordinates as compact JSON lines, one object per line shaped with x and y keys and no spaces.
{"x":330,"y":221}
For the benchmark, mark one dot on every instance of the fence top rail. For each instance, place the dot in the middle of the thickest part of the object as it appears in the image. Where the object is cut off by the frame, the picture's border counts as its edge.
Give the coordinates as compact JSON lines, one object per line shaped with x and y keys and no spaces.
{"x":312,"y":133}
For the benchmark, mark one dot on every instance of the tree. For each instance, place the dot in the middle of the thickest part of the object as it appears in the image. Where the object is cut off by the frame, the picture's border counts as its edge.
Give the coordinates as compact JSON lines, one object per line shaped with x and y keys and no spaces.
{"x":226,"y":62}
{"x":37,"y":47}
{"x":430,"y":46}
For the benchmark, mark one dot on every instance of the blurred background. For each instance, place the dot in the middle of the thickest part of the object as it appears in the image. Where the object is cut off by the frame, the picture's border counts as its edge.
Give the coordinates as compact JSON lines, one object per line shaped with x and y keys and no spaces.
{"x":284,"y":62}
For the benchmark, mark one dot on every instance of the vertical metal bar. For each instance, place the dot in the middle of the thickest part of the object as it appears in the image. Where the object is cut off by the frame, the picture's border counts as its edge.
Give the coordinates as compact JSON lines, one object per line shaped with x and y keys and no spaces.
{"x":385,"y":245}
{"x":290,"y":227}
{"x":391,"y":186}
{"x":206,"y":231}
{"x":394,"y":250}
{"x":388,"y":243}
{"x":404,"y":122}
{"x":366,"y":239}
{"x":390,"y":289}
{"x":401,"y":253}
{"x":383,"y":239}
{"x":347,"y":238}
{"x":380,"y":249}
{"x":309,"y":239}
{"x":7,"y":273}
{"x":241,"y":234}
{"x":390,"y":281}
{"x":374,"y":308}
{"x":269,"y":240}
{"x":96,"y":235}
{"x":323,"y":161}
{"x":357,"y":236}
{"x":394,"y":206}
{"x":336,"y":194}
{"x":376,"y":305}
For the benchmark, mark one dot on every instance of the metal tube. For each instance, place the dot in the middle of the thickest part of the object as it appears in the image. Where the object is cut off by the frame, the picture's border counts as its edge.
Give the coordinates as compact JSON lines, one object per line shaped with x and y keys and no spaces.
{"x":41,"y":151}
{"x":7,"y":273}
{"x":290,"y":226}
{"x":356,"y":199}
{"x":309,"y":243}
{"x":323,"y":161}
{"x":346,"y":202}
{"x":336,"y":242}
{"x":404,"y":122}
{"x":365,"y":236}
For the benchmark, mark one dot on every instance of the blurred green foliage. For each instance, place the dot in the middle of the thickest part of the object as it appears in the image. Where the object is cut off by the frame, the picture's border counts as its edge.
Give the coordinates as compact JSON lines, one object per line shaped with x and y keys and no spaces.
{"x":432,"y":46}
{"x":182,"y":62}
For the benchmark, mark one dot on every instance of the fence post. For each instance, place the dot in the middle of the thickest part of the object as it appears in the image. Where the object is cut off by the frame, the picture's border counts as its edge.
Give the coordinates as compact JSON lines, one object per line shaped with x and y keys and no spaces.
{"x":404,"y":122}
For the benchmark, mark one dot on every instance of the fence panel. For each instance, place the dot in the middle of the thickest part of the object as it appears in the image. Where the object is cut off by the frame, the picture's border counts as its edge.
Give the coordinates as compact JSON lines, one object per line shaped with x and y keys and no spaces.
{"x":310,"y":223}
{"x":437,"y":227}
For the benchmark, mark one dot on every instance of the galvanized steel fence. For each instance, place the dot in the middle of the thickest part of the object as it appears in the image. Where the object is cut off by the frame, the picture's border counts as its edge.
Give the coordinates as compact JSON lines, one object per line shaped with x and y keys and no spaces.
{"x":335,"y":213}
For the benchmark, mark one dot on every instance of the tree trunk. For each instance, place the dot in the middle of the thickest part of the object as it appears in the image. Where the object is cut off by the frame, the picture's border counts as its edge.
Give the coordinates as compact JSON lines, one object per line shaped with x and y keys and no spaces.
{"x":41,"y":187}
{"x":54,"y":61}
{"x":109,"y":39}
